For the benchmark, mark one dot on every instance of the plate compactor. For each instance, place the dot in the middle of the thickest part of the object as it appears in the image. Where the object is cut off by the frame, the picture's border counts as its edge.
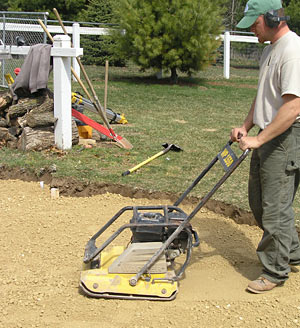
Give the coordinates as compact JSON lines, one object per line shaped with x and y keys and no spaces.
{"x":146,"y":268}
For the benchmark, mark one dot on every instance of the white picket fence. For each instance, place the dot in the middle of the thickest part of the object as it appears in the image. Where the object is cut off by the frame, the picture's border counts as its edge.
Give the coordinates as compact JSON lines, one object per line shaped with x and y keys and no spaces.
{"x":227,"y":39}
{"x":53,"y":29}
{"x":62,"y":54}
{"x":76,"y":30}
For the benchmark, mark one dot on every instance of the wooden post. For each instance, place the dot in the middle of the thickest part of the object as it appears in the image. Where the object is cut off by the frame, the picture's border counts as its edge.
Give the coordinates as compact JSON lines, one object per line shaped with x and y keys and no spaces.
{"x":62,"y":94}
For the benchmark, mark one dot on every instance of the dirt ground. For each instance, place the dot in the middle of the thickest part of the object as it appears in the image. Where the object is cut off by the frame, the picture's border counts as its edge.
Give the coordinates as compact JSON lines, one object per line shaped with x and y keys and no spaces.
{"x":42,"y":245}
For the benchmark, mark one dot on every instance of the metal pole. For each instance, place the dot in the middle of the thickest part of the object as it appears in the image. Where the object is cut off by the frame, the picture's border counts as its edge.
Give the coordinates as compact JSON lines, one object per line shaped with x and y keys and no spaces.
{"x":3,"y":61}
{"x":45,"y":22}
{"x":134,"y":279}
{"x":4,"y":29}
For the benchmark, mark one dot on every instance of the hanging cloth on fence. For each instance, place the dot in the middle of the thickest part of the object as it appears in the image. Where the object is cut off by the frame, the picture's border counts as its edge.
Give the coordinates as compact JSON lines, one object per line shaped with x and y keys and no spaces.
{"x":35,"y":71}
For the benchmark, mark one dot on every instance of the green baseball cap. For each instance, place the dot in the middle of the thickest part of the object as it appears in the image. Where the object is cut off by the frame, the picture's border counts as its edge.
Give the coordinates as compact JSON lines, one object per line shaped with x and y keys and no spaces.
{"x":255,"y":8}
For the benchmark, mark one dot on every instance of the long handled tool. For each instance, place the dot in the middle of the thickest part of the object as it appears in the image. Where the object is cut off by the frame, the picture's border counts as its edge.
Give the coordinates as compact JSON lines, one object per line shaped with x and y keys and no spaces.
{"x":105,"y":83}
{"x":163,"y":152}
{"x":120,"y":140}
{"x":113,"y":117}
{"x":97,"y":103}
{"x":98,"y":127}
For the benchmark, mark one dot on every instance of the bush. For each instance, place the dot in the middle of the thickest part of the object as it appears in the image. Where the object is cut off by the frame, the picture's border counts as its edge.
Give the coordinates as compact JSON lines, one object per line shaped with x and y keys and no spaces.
{"x":98,"y":49}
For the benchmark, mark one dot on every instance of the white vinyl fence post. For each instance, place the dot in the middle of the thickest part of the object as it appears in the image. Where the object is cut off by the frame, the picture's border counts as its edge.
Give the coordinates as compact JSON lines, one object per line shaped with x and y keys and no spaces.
{"x":62,"y":94}
{"x":76,"y":44}
{"x":226,"y":55}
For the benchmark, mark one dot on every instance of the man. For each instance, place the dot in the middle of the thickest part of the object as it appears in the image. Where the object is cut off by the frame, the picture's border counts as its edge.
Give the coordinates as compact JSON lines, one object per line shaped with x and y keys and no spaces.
{"x":275,"y":162}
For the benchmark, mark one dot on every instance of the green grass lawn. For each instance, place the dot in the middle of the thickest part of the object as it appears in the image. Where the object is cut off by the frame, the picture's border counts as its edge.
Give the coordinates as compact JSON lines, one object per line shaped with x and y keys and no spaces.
{"x":197,"y":114}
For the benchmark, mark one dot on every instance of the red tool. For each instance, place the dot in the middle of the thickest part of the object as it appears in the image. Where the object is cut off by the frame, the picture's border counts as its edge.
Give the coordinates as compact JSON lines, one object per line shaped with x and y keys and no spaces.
{"x":83,"y":118}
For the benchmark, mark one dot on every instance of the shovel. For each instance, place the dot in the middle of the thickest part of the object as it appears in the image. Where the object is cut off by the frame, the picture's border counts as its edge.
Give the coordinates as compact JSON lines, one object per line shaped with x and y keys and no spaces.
{"x":122,"y":142}
{"x":167,"y":147}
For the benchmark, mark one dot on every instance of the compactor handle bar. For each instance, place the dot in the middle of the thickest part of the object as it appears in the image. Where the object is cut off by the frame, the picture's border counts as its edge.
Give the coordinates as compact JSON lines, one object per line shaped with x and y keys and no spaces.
{"x":203,"y":173}
{"x":133,"y":281}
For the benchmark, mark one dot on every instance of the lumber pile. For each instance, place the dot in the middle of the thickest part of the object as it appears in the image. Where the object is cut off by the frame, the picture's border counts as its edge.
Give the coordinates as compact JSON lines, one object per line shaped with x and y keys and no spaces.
{"x":28,"y":123}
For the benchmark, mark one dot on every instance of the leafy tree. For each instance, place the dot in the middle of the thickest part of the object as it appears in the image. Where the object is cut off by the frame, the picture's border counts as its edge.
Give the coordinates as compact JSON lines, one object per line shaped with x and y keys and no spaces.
{"x":3,"y":5}
{"x":99,"y":11}
{"x":170,"y":34}
{"x":235,"y":9}
{"x":233,"y":13}
{"x":293,"y":10}
{"x":98,"y":49}
{"x":68,"y":9}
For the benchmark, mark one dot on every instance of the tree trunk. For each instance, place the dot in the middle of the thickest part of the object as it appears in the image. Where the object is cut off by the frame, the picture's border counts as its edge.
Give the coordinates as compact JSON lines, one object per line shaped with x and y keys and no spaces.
{"x":174,"y":76}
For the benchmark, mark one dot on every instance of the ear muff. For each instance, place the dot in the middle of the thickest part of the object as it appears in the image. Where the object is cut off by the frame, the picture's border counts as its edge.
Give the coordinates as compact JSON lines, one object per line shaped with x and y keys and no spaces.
{"x":272,"y":19}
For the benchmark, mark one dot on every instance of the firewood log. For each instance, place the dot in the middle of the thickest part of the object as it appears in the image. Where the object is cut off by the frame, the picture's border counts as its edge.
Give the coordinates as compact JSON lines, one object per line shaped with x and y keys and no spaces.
{"x":9,"y":139}
{"x":38,"y":119}
{"x":36,"y":139}
{"x":3,"y":122}
{"x":25,"y":105}
{"x":5,"y":101}
{"x":42,"y":138}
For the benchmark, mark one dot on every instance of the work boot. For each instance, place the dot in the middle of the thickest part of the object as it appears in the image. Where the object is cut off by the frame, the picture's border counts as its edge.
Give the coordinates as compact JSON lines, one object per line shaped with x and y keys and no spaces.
{"x":261,"y":285}
{"x":294,"y":265}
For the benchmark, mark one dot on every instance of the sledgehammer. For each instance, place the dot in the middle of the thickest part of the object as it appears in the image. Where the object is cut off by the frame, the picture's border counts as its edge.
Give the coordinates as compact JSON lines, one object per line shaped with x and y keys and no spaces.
{"x":166,"y":146}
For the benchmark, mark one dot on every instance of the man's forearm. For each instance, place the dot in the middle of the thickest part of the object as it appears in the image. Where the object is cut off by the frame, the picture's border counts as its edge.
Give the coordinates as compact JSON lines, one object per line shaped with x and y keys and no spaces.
{"x":285,"y":117}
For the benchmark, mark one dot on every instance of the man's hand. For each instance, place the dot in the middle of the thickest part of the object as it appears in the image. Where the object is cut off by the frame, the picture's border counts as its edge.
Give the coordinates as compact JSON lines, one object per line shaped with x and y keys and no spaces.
{"x":238,"y":133}
{"x":249,"y":143}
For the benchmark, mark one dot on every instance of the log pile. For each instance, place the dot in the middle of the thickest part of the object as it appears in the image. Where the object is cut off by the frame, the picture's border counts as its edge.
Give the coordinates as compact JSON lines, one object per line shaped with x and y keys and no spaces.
{"x":28,"y":123}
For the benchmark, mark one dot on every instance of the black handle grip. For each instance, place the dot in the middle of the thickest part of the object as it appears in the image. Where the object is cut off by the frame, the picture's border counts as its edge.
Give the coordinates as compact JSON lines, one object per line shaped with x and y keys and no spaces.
{"x":196,"y":237}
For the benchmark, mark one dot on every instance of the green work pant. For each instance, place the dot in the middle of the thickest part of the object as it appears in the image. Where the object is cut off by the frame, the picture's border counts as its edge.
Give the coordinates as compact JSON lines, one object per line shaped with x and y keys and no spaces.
{"x":273,"y":182}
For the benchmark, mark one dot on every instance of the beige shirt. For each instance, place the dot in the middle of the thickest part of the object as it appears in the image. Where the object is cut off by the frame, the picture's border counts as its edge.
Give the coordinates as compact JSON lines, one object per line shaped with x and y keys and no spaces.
{"x":279,"y":75}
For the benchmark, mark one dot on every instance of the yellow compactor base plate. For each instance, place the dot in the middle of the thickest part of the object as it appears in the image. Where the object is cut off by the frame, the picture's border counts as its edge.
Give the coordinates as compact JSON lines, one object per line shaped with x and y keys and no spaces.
{"x":102,"y":284}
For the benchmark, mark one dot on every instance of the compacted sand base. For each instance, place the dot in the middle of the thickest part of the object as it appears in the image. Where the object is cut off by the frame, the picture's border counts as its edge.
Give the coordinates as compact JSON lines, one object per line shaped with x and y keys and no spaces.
{"x":42,"y":245}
